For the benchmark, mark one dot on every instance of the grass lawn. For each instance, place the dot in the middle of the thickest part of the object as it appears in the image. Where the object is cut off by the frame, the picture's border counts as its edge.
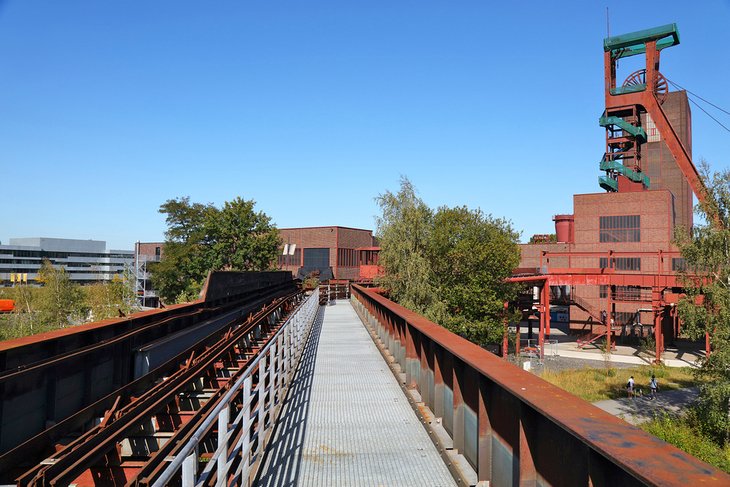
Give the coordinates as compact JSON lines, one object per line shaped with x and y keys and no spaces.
{"x":596,"y":384}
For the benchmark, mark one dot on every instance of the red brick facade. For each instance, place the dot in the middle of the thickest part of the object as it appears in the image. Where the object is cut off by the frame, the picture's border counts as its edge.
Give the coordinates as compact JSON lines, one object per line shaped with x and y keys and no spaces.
{"x":657,"y":211}
{"x":341,"y":242}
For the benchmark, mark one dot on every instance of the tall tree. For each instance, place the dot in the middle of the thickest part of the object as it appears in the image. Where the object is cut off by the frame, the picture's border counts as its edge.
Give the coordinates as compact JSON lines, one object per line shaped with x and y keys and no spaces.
{"x":471,"y":255}
{"x":60,"y":301}
{"x":404,"y":229}
{"x":107,"y":299}
{"x":180,"y":274}
{"x":706,"y":251}
{"x":202,"y":238}
{"x":241,"y":238}
{"x":449,"y":265}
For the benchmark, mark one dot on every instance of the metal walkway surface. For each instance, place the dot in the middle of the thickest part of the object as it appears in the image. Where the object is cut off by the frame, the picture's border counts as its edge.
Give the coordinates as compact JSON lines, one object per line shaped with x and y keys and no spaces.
{"x":347,"y":421}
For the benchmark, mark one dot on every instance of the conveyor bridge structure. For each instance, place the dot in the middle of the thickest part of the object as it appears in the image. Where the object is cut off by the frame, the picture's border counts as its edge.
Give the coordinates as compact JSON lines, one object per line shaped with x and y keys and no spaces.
{"x":294,"y":388}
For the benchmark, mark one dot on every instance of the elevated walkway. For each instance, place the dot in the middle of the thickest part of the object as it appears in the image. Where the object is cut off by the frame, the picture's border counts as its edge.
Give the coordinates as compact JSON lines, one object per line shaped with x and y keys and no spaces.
{"x":346,"y":420}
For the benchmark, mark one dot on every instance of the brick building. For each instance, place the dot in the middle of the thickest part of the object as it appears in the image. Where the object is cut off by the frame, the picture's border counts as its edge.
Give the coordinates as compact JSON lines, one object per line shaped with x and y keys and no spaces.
{"x":339,"y":250}
{"x":629,"y":231}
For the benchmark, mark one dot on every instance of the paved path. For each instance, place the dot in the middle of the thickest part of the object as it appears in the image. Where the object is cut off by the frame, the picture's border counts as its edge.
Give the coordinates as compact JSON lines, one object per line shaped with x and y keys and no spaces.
{"x":641,"y":409}
{"x":347,"y":421}
{"x":567,"y":350}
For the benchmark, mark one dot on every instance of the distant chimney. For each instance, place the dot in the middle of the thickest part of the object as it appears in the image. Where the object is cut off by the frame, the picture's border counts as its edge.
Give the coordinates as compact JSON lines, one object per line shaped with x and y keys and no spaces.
{"x":564,"y":228}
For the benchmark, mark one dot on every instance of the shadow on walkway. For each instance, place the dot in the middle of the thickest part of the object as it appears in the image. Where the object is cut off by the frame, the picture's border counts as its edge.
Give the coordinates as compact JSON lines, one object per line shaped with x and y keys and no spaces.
{"x":283,"y":456}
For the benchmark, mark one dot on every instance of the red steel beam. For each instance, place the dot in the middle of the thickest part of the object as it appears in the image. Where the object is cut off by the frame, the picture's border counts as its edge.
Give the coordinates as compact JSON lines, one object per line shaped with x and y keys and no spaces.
{"x":606,"y":446}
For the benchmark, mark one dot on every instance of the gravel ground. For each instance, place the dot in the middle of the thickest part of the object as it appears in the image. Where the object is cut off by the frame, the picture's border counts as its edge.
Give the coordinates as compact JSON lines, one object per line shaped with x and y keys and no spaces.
{"x":556,"y":364}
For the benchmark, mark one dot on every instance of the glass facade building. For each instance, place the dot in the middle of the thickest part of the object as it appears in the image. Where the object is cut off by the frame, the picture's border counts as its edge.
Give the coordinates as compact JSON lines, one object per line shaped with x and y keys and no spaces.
{"x":85,"y":261}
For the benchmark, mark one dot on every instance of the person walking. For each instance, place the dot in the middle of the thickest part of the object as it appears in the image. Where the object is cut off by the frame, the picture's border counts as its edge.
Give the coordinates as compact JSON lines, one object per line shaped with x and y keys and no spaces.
{"x":653,"y":386}
{"x":630,"y":387}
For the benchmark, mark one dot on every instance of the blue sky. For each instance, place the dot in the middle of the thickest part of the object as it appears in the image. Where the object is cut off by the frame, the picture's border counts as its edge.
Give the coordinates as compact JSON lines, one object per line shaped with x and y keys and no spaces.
{"x":107,"y":109}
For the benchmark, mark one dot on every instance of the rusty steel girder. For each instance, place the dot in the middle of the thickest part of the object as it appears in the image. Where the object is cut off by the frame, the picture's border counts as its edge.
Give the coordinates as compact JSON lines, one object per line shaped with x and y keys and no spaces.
{"x":515,"y":428}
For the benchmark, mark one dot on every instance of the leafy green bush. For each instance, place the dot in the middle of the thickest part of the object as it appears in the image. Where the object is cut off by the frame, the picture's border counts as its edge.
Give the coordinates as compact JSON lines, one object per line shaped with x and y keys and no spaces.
{"x":680,"y":433}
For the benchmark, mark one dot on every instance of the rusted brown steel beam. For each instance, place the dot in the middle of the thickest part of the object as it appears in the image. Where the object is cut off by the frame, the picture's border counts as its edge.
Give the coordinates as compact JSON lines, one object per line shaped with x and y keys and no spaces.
{"x":42,"y":445}
{"x":95,"y":359}
{"x":89,"y":452}
{"x":526,"y":426}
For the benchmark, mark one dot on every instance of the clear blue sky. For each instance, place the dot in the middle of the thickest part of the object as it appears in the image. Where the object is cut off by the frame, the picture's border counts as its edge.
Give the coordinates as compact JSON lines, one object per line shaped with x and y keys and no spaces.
{"x":312,"y":108}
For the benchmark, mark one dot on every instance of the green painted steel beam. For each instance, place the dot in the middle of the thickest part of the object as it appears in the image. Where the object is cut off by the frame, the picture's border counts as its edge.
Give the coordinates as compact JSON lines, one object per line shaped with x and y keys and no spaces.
{"x":622,"y":90}
{"x":634,"y":43}
{"x":637,"y":132}
{"x":607,"y":183}
{"x":637,"y":177}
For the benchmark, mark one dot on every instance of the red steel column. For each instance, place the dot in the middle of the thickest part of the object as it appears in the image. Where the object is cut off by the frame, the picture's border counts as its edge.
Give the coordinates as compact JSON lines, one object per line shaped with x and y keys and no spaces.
{"x":609,"y":318}
{"x":543,"y":313}
{"x":505,"y":337}
{"x":547,"y":308}
{"x":658,"y":312}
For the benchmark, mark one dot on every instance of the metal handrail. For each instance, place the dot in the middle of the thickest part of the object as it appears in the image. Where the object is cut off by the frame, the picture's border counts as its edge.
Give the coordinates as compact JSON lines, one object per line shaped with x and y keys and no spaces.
{"x":301,"y":320}
{"x":512,"y":426}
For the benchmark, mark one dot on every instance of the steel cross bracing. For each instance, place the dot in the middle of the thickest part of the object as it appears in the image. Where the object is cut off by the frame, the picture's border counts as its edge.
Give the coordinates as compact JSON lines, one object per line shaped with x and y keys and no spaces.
{"x":132,"y":445}
{"x":241,"y":442}
{"x":96,"y":361}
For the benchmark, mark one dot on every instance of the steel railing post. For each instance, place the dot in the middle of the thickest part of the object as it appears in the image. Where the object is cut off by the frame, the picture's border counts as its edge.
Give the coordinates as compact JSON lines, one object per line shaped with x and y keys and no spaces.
{"x":246,"y":431}
{"x":222,"y":465}
{"x":273,"y":376}
{"x":287,"y":356}
{"x":261,"y":404}
{"x":190,"y":468}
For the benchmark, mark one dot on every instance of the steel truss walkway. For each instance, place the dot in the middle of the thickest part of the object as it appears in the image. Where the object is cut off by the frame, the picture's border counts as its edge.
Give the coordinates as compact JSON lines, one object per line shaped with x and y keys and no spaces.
{"x":346,"y":420}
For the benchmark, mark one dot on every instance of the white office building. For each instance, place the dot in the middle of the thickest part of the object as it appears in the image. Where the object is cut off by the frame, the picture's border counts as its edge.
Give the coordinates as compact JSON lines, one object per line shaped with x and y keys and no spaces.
{"x":85,"y":261}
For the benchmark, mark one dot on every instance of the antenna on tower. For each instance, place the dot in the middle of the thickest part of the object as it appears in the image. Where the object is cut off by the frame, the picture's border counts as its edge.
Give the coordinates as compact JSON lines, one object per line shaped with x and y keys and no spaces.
{"x":608,"y":25}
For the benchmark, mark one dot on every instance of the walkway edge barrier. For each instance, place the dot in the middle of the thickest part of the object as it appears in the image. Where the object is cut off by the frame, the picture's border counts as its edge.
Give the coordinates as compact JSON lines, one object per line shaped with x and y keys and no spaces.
{"x":515,"y":428}
{"x":259,"y":404}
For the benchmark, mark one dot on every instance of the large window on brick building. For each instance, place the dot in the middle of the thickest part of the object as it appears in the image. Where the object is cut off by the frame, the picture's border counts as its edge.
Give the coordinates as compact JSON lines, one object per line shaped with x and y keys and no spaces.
{"x":620,"y":228}
{"x":347,"y":257}
{"x":625,"y":293}
{"x":624,"y":317}
{"x":293,"y":260}
{"x":317,"y":258}
{"x":621,"y":263}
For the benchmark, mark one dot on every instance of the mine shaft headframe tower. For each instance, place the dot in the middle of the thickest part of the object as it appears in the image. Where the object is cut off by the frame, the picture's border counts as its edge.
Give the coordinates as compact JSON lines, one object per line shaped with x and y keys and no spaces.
{"x":643,"y":91}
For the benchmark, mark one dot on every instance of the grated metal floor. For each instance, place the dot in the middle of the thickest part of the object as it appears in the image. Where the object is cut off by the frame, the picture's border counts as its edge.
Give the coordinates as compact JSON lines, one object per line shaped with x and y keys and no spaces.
{"x":347,"y":421}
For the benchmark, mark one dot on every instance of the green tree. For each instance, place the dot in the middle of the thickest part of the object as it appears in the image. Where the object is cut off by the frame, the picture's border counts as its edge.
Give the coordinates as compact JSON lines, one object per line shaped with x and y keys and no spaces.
{"x":404,"y":229}
{"x":23,"y":320}
{"x":449,"y":265}
{"x":107,"y":299}
{"x":471,"y":255}
{"x":202,"y":238}
{"x":242,"y":239}
{"x":60,"y":301}
{"x":180,"y":274}
{"x":706,"y":250}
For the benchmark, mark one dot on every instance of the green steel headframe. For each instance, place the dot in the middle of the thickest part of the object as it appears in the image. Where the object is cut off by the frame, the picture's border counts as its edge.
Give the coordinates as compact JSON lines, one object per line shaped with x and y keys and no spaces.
{"x":634,"y":43}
